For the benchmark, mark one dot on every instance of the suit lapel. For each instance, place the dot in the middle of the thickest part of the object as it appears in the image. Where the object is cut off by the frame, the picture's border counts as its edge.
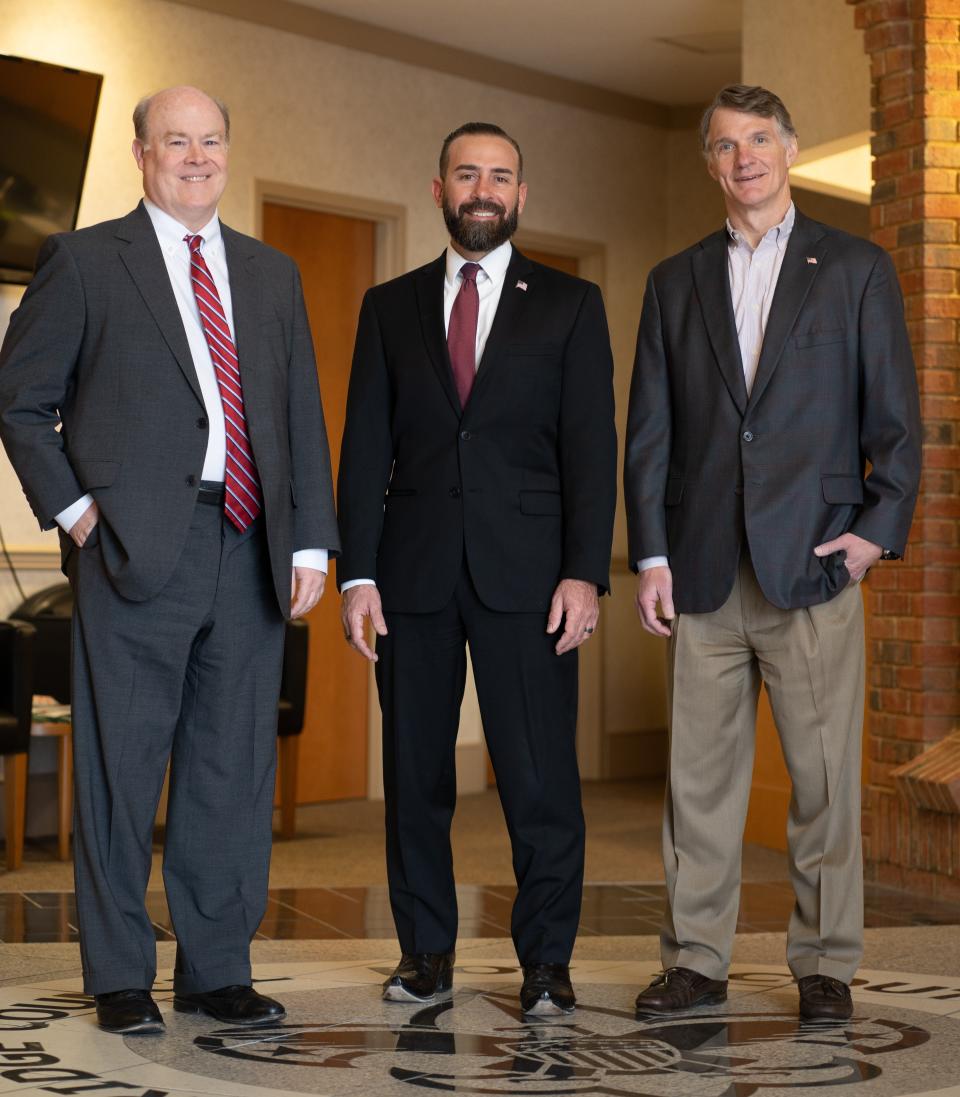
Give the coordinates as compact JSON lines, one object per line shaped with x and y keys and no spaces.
{"x":429,"y":290}
{"x":144,"y":260}
{"x":512,"y":300}
{"x":712,"y":280}
{"x":245,"y":301}
{"x":807,"y":241}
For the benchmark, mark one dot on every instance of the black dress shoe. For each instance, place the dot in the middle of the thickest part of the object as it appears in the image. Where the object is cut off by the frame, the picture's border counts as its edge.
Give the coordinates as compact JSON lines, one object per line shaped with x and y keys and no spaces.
{"x":128,"y":1011}
{"x":420,"y":977}
{"x":546,"y":990}
{"x":824,"y":999}
{"x":680,"y":988}
{"x":238,"y":1005}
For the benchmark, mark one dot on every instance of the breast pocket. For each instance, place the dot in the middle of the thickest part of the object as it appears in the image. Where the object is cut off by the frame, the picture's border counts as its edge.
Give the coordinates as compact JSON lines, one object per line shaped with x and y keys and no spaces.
{"x":820,"y":338}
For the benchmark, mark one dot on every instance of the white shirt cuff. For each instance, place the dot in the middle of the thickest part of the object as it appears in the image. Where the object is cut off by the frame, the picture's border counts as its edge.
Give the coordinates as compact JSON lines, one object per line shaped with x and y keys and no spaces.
{"x":68,"y":518}
{"x":318,"y":559}
{"x":357,"y":583}
{"x":652,"y":562}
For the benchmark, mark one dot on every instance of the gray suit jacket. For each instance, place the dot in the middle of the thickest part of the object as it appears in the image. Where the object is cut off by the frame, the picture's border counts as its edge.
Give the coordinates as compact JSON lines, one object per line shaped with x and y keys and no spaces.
{"x":786,"y":468}
{"x":98,"y":345}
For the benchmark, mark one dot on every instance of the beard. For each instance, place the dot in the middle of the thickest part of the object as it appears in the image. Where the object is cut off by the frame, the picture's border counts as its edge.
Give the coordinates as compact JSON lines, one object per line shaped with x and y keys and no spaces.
{"x":480,"y":236}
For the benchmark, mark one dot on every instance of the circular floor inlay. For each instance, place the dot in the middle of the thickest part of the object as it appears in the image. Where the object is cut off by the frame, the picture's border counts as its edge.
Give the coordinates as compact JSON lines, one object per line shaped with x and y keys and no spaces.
{"x":340,"y":1038}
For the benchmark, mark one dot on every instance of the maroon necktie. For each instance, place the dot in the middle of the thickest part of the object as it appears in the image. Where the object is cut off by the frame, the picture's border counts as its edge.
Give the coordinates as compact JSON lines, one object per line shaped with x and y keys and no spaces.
{"x":462,"y":332}
{"x":243,"y":499}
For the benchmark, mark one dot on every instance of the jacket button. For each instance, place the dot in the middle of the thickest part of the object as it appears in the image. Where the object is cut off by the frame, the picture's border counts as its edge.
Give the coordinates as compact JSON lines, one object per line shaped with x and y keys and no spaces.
{"x":465,"y":435}
{"x":747,"y":436}
{"x":454,"y":493}
{"x":202,"y":422}
{"x":191,"y":480}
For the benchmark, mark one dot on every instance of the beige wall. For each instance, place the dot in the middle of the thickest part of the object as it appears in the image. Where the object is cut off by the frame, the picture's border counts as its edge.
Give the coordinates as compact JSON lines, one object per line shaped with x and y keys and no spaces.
{"x":809,"y":53}
{"x":311,"y":114}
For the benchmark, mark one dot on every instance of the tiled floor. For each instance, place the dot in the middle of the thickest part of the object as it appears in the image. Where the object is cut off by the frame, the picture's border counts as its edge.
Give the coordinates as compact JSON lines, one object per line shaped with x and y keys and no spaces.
{"x":364,"y":913}
{"x":340,"y":1040}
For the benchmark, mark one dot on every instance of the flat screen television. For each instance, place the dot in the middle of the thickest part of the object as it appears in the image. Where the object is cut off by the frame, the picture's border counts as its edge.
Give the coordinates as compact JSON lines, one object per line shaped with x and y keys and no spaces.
{"x":46,"y":123}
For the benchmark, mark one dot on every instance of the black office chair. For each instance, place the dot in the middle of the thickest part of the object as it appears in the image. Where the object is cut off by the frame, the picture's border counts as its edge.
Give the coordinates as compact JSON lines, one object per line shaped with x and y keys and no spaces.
{"x":16,"y":696}
{"x":293,"y":696}
{"x":49,"y":611}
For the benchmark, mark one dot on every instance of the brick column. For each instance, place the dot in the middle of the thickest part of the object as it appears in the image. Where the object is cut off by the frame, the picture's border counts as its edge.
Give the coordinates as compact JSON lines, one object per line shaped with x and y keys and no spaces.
{"x":914,"y":623}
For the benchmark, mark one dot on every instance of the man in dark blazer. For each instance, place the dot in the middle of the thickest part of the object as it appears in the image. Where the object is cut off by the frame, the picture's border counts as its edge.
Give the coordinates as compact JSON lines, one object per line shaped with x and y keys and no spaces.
{"x":772,"y":367}
{"x":159,"y":402}
{"x":476,"y":494}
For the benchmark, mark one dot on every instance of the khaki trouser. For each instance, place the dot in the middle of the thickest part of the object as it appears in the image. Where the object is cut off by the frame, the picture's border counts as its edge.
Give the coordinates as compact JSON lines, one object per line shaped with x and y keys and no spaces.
{"x":812,"y":664}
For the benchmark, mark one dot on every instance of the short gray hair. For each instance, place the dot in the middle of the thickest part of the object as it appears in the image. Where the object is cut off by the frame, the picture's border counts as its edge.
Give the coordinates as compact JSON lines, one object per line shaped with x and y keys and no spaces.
{"x":748,"y":99}
{"x":142,"y":110}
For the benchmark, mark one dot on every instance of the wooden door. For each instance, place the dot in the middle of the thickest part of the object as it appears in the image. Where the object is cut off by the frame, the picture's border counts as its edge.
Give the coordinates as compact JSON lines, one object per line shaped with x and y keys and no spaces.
{"x":336,"y":257}
{"x":570,"y":265}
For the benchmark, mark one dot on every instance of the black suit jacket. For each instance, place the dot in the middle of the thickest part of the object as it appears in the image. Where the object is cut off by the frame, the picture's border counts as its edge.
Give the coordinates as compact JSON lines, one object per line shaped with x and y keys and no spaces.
{"x":98,"y":344}
{"x":523,"y":480}
{"x":835,"y":389}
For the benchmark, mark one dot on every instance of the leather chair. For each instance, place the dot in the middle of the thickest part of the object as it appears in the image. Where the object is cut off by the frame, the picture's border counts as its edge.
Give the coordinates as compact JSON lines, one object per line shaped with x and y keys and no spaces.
{"x":293,"y":697}
{"x":16,"y":695}
{"x":50,"y":610}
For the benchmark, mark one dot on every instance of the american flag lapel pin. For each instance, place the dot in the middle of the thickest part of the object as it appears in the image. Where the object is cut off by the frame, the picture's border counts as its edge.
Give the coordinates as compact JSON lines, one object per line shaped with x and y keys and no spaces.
{"x":521,"y":285}
{"x":812,"y":259}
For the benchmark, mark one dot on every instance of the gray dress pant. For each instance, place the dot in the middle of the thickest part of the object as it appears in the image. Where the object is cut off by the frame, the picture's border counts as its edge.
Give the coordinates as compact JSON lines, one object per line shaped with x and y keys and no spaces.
{"x":191,"y":676}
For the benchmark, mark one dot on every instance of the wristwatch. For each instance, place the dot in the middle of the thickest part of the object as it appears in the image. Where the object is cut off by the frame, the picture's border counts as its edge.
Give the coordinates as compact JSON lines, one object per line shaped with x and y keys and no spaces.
{"x":889,"y":554}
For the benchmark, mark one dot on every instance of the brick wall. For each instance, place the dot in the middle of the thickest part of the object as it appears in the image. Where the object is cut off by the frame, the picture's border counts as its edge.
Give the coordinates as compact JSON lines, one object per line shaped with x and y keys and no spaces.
{"x":914,"y":618}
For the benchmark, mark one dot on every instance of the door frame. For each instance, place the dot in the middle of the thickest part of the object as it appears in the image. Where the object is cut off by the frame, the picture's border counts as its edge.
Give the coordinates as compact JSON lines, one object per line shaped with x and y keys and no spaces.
{"x":390,"y":253}
{"x":390,"y":242}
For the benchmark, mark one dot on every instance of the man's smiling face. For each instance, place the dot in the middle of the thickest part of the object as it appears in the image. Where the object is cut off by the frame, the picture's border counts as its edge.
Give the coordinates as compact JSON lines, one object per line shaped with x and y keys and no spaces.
{"x":750,"y":158}
{"x":184,"y":158}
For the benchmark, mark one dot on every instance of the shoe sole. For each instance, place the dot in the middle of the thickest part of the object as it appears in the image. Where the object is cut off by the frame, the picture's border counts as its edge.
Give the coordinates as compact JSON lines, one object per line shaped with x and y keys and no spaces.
{"x":825,"y":1018}
{"x":142,"y":1028}
{"x":547,"y":1007}
{"x":256,"y":1022}
{"x":706,"y":1000}
{"x":400,"y":995}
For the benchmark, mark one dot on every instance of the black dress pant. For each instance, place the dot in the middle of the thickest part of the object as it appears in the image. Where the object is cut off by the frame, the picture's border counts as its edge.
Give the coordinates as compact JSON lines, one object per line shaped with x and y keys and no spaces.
{"x":528,"y":703}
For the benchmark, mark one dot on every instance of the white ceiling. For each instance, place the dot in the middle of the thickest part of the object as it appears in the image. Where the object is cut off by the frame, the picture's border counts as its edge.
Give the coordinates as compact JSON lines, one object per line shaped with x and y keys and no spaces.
{"x":613,"y":44}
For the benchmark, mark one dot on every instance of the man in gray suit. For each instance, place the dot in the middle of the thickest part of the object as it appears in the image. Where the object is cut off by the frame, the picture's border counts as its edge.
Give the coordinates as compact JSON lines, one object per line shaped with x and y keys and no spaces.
{"x":772,"y":457}
{"x":159,"y":402}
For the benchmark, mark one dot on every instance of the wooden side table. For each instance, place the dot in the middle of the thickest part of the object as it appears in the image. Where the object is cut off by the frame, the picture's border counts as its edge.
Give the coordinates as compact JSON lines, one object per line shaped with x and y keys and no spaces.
{"x":54,"y":721}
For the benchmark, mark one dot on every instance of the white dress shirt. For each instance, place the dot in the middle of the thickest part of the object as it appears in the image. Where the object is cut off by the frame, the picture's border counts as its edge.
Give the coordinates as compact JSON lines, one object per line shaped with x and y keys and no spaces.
{"x":490,"y":279}
{"x":753,"y":274}
{"x":176,"y":256}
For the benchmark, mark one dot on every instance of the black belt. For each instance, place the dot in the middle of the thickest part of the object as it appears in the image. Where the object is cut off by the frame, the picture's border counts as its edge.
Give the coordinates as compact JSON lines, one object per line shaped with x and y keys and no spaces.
{"x":211,"y":492}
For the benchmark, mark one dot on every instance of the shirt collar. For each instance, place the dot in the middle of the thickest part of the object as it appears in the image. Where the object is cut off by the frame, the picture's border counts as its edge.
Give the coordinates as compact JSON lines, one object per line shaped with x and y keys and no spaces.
{"x":170,"y":232}
{"x":494,"y":264}
{"x":780,"y":234}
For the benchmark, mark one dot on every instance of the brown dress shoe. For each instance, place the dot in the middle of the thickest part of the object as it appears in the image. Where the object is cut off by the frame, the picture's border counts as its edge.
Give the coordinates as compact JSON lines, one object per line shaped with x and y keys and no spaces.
{"x":680,"y":988}
{"x":824,"y":999}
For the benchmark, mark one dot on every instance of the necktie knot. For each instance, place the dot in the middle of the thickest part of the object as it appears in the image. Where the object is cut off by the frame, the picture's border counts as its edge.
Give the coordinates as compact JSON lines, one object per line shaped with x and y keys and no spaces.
{"x":469,"y":272}
{"x":194,"y":242}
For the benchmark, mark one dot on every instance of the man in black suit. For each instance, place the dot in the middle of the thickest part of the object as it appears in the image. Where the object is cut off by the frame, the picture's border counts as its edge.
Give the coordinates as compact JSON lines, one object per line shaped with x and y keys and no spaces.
{"x":476,"y":496}
{"x":191,"y":483}
{"x":772,"y":366}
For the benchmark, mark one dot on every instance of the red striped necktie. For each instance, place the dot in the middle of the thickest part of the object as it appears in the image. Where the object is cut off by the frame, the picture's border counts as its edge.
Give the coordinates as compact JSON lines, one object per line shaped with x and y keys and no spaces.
{"x":243,"y":498}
